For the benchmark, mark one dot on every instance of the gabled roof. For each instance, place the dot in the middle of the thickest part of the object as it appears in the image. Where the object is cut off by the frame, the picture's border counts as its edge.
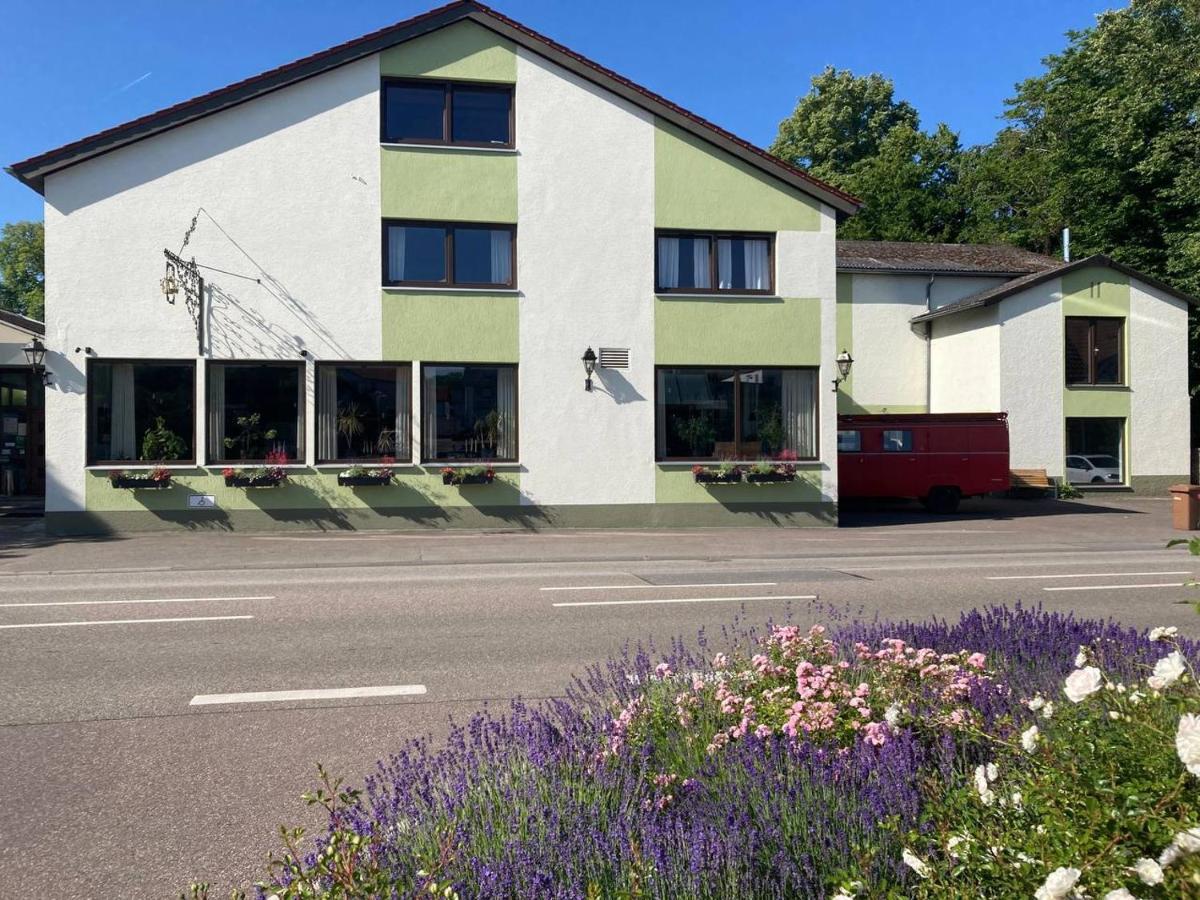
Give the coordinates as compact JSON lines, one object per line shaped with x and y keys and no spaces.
{"x":34,"y":170}
{"x":938,"y":259}
{"x":24,"y":323}
{"x":992,"y":296}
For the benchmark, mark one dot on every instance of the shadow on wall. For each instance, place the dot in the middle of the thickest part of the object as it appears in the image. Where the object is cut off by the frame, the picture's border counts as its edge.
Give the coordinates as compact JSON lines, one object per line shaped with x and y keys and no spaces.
{"x":617,"y":386}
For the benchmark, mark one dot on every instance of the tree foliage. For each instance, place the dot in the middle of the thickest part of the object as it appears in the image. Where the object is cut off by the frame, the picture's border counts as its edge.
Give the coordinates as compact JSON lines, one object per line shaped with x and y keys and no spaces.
{"x":22,"y":268}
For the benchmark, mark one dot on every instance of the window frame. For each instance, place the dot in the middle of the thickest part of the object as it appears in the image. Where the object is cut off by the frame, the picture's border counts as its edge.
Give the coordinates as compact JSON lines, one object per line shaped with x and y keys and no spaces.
{"x":713,"y":237}
{"x":137,"y":463}
{"x":448,"y":249}
{"x":1091,"y":352}
{"x":737,"y":409}
{"x":301,"y":412}
{"x":427,"y":460}
{"x":910,"y":443}
{"x":407,"y":458}
{"x":448,"y":86}
{"x":857,"y":448}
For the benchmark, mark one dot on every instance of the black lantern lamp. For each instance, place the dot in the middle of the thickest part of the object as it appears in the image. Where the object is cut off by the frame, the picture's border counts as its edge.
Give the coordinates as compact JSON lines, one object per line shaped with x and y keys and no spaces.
{"x":589,"y":366}
{"x":844,"y":361}
{"x":35,"y":354}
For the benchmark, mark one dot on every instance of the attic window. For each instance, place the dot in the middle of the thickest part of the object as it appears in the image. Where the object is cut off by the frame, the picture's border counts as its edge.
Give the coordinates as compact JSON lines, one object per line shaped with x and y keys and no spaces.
{"x":614,"y":357}
{"x":446,"y":112}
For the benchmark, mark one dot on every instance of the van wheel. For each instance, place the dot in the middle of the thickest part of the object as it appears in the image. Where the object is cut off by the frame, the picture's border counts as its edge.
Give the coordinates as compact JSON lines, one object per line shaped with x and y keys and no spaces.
{"x":943,"y":501}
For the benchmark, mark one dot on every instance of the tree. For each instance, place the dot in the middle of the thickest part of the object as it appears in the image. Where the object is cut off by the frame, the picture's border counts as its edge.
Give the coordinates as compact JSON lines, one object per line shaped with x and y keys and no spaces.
{"x":22,"y":269}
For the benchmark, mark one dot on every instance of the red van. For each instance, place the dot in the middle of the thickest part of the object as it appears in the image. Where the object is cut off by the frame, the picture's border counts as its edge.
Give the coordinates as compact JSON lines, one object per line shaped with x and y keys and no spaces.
{"x":937,"y":459}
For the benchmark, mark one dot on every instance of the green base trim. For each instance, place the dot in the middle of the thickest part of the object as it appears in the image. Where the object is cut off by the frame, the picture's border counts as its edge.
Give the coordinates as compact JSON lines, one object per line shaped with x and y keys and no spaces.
{"x":1155,"y":485}
{"x":531,"y":518}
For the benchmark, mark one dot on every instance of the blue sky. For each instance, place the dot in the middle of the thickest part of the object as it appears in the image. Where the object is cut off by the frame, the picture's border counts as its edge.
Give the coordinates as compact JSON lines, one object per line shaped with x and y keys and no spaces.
{"x":75,"y":67}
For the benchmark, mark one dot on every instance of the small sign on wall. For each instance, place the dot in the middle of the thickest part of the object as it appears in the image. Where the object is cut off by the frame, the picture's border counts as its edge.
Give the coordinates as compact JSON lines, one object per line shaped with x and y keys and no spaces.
{"x":202,"y":501}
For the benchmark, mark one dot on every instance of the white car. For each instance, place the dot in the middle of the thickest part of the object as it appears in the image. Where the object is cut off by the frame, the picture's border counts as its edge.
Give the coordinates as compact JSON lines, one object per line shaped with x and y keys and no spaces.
{"x":1099,"y":469}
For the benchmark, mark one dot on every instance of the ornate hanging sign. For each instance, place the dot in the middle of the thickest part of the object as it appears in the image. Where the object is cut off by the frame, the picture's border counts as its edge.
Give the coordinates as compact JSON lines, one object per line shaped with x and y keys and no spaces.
{"x":183,"y":276}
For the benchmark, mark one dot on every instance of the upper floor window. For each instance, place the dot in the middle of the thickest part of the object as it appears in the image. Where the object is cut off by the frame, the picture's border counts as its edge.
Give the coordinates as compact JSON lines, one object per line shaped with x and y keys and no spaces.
{"x":255,"y":410}
{"x":449,"y":255}
{"x":141,"y":411}
{"x":699,"y":262}
{"x":363,"y":411}
{"x":447,"y":112}
{"x":1094,"y":350}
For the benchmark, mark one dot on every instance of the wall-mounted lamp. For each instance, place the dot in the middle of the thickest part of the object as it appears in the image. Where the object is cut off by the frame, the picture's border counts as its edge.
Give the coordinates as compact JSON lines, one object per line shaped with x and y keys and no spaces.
{"x":589,"y":366}
{"x":844,"y":361}
{"x":35,"y":353}
{"x":304,"y":353}
{"x":87,"y":350}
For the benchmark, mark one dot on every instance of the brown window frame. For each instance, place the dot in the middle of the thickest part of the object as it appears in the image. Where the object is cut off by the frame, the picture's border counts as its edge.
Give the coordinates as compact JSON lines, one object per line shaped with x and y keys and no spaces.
{"x":448,"y":86}
{"x":427,"y":460}
{"x":138,"y":463}
{"x":301,"y":413}
{"x":737,"y":412}
{"x":1091,"y":351}
{"x":448,"y":238}
{"x":713,"y":237}
{"x":406,"y":458}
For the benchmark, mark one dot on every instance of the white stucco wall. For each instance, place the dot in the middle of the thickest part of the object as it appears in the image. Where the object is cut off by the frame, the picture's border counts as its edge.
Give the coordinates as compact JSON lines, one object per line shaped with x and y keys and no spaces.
{"x":585,"y":254}
{"x":965,"y":362}
{"x":890,"y":356}
{"x":1031,"y":376}
{"x":1160,"y":408}
{"x":290,"y":182}
{"x":948,"y":288}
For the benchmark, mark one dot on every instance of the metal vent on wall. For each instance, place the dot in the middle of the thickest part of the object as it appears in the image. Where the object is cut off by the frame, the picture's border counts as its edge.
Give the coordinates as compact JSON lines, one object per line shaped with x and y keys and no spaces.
{"x":614,"y":357}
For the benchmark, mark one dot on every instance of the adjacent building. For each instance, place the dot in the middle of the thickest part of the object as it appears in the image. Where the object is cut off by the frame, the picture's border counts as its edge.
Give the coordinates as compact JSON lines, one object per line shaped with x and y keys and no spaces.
{"x":401,"y":255}
{"x":22,"y":436}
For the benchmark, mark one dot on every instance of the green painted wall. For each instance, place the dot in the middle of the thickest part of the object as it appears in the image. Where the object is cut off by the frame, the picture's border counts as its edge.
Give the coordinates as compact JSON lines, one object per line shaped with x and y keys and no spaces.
{"x":845,"y":337}
{"x":1095,"y":291}
{"x":306,"y":489}
{"x":742,"y":331}
{"x":676,"y":484}
{"x":447,"y":185}
{"x":450,"y":327}
{"x":699,"y":186}
{"x":463,"y":50}
{"x":1096,"y":402}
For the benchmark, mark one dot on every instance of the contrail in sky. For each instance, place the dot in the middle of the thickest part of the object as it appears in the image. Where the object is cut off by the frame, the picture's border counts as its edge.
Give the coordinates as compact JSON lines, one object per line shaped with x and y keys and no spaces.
{"x":137,"y":80}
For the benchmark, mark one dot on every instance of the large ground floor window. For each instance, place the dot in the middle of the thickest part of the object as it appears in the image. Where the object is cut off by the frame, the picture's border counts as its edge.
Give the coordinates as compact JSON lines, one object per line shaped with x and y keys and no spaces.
{"x":141,"y":411}
{"x":469,"y":412}
{"x":1095,"y":451}
{"x":744,"y":413}
{"x":363,"y":412}
{"x":255,"y":412}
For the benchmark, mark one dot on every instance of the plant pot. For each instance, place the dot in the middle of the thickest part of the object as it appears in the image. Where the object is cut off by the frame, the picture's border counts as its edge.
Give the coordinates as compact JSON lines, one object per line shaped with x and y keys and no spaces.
{"x":130,"y":483}
{"x":718,"y":478}
{"x":258,"y":481}
{"x":468,"y":479}
{"x":769,"y":477}
{"x":364,"y":480}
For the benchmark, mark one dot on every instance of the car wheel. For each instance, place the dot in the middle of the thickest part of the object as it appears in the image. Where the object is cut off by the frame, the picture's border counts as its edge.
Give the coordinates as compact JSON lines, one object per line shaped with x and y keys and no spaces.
{"x":1097,"y":480}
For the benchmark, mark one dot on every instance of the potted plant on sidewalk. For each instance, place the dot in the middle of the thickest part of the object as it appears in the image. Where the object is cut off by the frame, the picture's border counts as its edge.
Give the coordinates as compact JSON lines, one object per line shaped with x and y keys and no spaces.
{"x":158,"y":477}
{"x":270,"y":475}
{"x":468,"y":475}
{"x":368,"y":476}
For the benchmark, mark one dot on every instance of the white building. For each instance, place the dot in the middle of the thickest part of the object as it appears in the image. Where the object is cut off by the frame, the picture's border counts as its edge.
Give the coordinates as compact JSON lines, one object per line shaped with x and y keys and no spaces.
{"x":394,"y":254}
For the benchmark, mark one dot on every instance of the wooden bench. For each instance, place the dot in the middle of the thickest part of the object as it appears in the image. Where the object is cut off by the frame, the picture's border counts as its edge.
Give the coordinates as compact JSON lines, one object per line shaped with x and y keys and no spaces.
{"x":1027,"y":481}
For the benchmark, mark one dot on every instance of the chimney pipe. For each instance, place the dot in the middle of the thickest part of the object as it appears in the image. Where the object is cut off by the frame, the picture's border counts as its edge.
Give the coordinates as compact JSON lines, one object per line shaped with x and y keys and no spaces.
{"x":1066,"y":245}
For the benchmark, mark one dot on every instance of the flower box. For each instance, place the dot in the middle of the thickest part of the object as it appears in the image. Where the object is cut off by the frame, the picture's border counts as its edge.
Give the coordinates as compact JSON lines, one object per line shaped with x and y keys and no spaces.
{"x":712,"y":476}
{"x":254,"y":481}
{"x":466,"y":476}
{"x":770,"y":477}
{"x":135,"y":482}
{"x":378,"y":480}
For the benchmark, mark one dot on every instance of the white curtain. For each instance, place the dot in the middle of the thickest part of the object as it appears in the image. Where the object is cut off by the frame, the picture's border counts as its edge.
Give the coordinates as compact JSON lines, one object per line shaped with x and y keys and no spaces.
{"x":757,"y":276}
{"x":660,"y":415}
{"x":429,"y":447}
{"x":216,"y":413}
{"x":506,"y":406}
{"x":700,"y":272}
{"x":327,"y":448}
{"x":724,"y":264}
{"x":800,"y":412}
{"x":396,"y":235}
{"x":501,"y":256}
{"x":403,"y":448}
{"x":668,"y":262}
{"x":301,"y":398}
{"x":124,"y":437}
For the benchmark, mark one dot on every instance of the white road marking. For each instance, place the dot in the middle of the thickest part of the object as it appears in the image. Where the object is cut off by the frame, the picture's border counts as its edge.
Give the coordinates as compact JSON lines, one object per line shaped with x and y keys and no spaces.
{"x":687,"y":600}
{"x":1079,"y":575}
{"x":386,"y":690}
{"x":125,"y":621}
{"x":646,"y":587}
{"x":110,"y":602}
{"x":1112,"y":587}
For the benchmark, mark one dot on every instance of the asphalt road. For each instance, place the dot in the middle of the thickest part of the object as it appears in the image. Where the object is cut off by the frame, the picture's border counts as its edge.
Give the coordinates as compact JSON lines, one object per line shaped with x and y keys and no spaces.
{"x":124,"y":777}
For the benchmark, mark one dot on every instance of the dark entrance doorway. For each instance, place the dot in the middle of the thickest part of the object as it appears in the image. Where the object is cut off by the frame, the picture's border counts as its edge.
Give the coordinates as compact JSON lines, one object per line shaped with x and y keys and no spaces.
{"x":22,"y":433}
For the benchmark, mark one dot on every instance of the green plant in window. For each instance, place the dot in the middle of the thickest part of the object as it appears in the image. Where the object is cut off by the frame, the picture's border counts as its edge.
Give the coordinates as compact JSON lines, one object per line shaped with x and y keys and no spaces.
{"x":770,"y":429}
{"x":160,"y":442}
{"x":350,"y":424}
{"x":252,"y":437}
{"x":697,"y":432}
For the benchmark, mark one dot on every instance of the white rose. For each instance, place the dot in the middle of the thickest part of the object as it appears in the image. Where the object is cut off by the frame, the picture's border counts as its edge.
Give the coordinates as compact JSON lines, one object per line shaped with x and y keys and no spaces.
{"x":1187,"y":742}
{"x":1163,"y":633}
{"x":892,"y":715}
{"x":915,"y":863}
{"x":1081,"y":658}
{"x":1058,"y":884}
{"x":986,"y":796}
{"x":1167,"y":671}
{"x":992,"y":771}
{"x":1047,"y":710}
{"x":1184,"y":844}
{"x":1082,"y":683}
{"x":1036,"y":703}
{"x":1148,"y":871}
{"x":1029,"y":738}
{"x":1119,"y":894}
